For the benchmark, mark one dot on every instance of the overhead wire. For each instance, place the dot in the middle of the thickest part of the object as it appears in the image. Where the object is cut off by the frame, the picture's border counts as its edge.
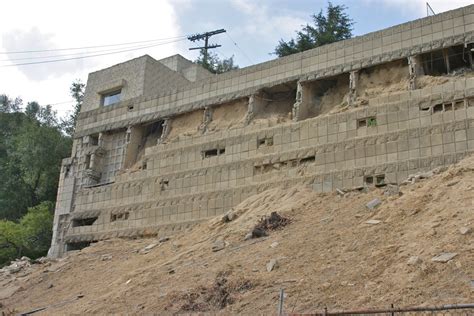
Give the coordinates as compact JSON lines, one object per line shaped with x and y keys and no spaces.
{"x":89,"y":56}
{"x":73,"y":54}
{"x":95,"y":46}
{"x":236,"y":45}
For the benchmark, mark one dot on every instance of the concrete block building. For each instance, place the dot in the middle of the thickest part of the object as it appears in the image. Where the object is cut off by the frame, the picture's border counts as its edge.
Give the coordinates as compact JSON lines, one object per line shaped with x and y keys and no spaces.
{"x":163,"y":144}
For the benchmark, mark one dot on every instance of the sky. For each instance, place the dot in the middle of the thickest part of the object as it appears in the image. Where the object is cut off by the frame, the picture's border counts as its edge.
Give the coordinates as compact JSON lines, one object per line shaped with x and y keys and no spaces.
{"x":158,"y":28}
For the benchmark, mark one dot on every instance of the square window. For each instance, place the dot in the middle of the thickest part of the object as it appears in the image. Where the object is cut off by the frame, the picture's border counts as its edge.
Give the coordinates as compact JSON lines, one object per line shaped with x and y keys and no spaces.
{"x":111,"y":97}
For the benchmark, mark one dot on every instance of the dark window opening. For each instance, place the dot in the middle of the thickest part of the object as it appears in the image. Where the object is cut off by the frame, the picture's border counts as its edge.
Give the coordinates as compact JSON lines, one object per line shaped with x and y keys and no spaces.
{"x":88,"y":161}
{"x":130,"y":107}
{"x":458,"y":104}
{"x":369,"y":180}
{"x":70,"y":246}
{"x":111,"y":97}
{"x":307,"y":160}
{"x":425,"y":108}
{"x":447,"y":60}
{"x":213,"y":152}
{"x":448,"y":106}
{"x":84,"y":221}
{"x":164,"y":184}
{"x":94,"y":140}
{"x":434,"y":63}
{"x":437,"y":108}
{"x":267,"y":141}
{"x":119,"y":216}
{"x":380,"y":180}
{"x":144,"y":165}
{"x":470,"y":102}
{"x":367,"y":122}
{"x":458,"y":57}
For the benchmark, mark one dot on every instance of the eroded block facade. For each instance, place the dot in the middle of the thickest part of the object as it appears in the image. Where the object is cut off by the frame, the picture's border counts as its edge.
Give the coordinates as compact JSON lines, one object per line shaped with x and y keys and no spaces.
{"x":160,"y":145}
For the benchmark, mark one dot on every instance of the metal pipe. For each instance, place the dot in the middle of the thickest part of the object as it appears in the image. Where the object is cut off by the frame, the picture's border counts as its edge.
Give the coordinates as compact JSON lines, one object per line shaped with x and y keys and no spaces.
{"x":394,"y":310}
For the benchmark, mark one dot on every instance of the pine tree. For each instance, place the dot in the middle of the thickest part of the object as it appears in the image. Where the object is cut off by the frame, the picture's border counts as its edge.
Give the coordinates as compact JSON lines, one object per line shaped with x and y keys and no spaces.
{"x":332,"y":27}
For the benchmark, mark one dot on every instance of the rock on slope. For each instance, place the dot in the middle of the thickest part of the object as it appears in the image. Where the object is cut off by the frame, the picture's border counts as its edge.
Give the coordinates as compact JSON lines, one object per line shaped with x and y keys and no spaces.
{"x":335,"y":253}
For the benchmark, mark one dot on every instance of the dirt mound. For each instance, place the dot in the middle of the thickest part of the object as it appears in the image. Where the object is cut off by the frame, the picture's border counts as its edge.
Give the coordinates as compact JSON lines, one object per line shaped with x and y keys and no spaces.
{"x":412,"y":249}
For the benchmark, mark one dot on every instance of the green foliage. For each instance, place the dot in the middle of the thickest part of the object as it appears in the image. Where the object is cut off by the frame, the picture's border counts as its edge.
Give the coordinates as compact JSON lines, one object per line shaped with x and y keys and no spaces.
{"x":30,"y":237}
{"x":332,"y":27}
{"x":32,"y":146}
{"x":77,"y":92}
{"x":8,"y":105}
{"x":214,"y":64}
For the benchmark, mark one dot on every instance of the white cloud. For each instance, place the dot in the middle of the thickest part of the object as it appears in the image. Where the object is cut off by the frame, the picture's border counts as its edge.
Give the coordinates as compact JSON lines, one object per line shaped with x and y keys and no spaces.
{"x":58,"y":24}
{"x":419,"y":6}
{"x":264,"y":22}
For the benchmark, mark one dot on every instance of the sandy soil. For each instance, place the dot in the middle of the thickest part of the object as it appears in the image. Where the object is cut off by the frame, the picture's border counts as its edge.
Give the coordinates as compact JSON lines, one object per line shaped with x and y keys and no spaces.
{"x":228,"y":116}
{"x":382,"y":80}
{"x":328,"y":256}
{"x":185,"y":125}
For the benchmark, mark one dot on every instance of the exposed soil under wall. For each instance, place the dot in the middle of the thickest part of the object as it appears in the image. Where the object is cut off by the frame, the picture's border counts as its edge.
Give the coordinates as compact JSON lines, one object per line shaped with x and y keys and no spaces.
{"x":334,"y":253}
{"x":336,"y":97}
{"x":185,"y":125}
{"x":275,"y":111}
{"x":383,"y":79}
{"x":228,"y":116}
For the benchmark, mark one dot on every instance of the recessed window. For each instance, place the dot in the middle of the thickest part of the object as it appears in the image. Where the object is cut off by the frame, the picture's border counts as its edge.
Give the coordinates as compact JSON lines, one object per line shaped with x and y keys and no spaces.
{"x":367,"y":122}
{"x":88,"y":161}
{"x":111,"y":97}
{"x":438,"y":108}
{"x":213,"y":152}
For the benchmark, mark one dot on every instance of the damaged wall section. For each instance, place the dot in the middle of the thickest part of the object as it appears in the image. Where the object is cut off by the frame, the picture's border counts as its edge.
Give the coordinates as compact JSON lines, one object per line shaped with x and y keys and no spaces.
{"x":274,"y":105}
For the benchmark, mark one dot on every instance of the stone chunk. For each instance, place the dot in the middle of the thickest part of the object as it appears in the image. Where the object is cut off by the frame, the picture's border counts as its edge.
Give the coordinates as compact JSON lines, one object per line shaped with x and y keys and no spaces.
{"x":218,"y":245}
{"x":229,"y":216}
{"x":373,"y":221}
{"x":414,"y":260}
{"x":106,"y":257}
{"x":271,"y":265}
{"x":444,"y":257}
{"x":373,"y":204}
{"x":150,"y":247}
{"x":164,"y":239}
{"x":465,"y":230}
{"x":392,"y":190}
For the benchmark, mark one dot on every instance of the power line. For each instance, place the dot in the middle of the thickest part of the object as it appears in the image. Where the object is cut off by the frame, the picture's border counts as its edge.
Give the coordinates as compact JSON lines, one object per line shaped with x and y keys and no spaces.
{"x":74,"y":54}
{"x":240,"y":48}
{"x":87,"y":56}
{"x":96,"y":46}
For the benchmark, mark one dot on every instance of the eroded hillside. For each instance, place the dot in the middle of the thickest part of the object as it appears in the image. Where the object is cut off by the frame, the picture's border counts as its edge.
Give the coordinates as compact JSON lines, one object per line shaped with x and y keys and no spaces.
{"x":336,"y":252}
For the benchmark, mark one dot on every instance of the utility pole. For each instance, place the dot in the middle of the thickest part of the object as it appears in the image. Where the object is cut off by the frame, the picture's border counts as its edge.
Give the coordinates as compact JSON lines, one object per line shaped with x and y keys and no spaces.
{"x":429,"y":10}
{"x":205,"y":36}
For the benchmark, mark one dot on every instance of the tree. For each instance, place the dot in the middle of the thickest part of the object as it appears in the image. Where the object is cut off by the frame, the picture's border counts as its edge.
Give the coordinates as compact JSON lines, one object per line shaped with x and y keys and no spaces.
{"x":30,"y":237}
{"x":77,"y":92}
{"x":8,"y":105}
{"x":332,"y":27}
{"x":214,"y":64}
{"x":32,"y":146}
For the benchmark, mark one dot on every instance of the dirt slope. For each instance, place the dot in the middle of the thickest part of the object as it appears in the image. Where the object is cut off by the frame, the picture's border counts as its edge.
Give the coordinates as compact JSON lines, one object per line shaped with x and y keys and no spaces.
{"x":327,"y":256}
